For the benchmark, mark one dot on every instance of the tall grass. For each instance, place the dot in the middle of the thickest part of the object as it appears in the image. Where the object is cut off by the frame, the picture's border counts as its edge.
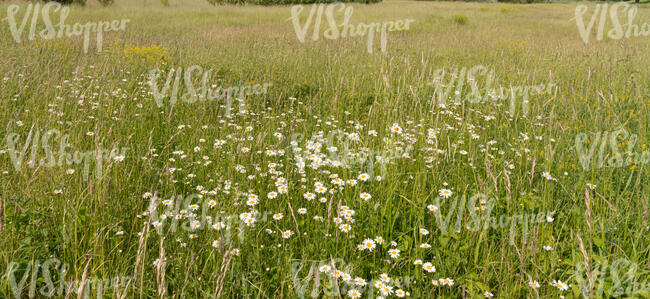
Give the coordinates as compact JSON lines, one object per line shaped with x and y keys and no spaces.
{"x":325,"y":85}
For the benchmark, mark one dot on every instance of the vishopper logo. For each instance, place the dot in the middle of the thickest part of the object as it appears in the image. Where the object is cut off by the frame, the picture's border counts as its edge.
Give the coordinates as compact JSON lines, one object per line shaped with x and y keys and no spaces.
{"x":343,"y":151}
{"x":622,"y":278}
{"x":346,"y":29}
{"x":334,"y":278}
{"x":619,"y":30}
{"x":464,"y":85}
{"x":481,"y":217}
{"x":601,"y":141}
{"x":196,"y":213}
{"x":202,"y":93}
{"x":50,"y":31}
{"x":99,"y":155}
{"x":32,"y":283}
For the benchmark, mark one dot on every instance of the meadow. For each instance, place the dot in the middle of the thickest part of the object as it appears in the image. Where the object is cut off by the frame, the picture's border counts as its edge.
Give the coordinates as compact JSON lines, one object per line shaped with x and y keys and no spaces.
{"x":349,"y":174}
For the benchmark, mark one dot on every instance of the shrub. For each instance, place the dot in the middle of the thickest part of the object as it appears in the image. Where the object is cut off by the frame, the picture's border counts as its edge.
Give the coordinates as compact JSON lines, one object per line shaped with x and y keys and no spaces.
{"x":285,"y":2}
{"x":106,"y":2}
{"x":66,"y":2}
{"x":459,"y":19}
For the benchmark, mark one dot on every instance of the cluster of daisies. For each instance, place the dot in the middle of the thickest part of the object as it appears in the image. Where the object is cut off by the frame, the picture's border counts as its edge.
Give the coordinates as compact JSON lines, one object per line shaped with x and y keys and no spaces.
{"x":385,"y":285}
{"x":314,"y":178}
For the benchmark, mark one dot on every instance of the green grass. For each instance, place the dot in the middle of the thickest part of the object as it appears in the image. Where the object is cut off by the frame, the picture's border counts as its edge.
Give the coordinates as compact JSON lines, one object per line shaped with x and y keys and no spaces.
{"x":326,"y":85}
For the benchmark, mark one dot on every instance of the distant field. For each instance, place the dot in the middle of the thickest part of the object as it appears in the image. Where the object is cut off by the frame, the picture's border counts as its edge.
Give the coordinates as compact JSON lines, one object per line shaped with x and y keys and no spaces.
{"x":325,"y":154}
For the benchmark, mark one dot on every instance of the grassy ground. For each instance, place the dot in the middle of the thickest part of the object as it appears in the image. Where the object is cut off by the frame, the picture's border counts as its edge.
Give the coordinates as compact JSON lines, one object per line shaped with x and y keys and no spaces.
{"x":102,"y":227}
